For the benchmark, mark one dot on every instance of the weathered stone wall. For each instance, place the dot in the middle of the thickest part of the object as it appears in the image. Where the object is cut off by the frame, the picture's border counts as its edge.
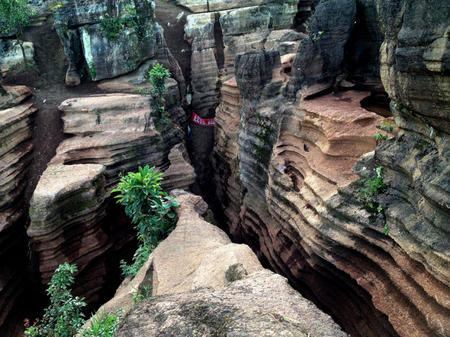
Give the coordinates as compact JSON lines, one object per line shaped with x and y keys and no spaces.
{"x":16,"y":123}
{"x":380,"y":273}
{"x":109,"y":135}
{"x":217,"y":32}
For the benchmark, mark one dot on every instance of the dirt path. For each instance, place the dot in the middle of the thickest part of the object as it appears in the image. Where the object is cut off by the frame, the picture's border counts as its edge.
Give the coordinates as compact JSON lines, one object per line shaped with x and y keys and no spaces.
{"x":49,"y":90}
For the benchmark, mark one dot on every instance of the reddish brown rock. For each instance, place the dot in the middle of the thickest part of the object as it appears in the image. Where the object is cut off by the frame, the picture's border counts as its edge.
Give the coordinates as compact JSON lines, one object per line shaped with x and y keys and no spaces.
{"x":202,"y":284}
{"x":16,"y":121}
{"x":295,"y":183}
{"x":73,"y":217}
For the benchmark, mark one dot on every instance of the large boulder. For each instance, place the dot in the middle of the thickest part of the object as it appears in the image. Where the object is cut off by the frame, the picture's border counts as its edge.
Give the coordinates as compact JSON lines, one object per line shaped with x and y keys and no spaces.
{"x":113,"y":38}
{"x":202,"y":284}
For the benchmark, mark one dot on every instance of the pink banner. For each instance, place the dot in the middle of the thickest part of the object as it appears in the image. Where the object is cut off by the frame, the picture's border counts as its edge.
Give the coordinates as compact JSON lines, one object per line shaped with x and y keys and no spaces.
{"x":202,"y":121}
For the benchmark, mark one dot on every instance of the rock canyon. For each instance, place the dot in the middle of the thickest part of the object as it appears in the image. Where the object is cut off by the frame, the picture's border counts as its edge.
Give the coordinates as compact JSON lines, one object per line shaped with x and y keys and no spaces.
{"x":306,"y":141}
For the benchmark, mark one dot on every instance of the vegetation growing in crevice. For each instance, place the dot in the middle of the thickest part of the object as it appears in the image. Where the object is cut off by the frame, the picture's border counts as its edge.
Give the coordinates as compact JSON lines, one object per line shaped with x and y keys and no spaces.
{"x":143,"y":293}
{"x":103,"y":325}
{"x":114,"y":26}
{"x":98,"y":119}
{"x":367,"y":194}
{"x":64,"y":316}
{"x":158,"y":76}
{"x":150,"y":210}
{"x":385,"y":126}
{"x":92,"y":70}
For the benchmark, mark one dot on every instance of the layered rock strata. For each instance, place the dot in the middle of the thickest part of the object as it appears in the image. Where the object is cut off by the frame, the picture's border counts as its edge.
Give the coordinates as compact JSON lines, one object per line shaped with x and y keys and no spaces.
{"x":382,"y":272}
{"x":72,"y":216}
{"x":217,"y":32}
{"x":202,"y":284}
{"x":112,"y":38}
{"x":16,"y":121}
{"x":180,"y":174}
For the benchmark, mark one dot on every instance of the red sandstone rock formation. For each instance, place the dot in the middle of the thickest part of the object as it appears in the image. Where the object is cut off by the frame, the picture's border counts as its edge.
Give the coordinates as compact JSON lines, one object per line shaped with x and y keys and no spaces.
{"x":15,"y":156}
{"x":295,"y":182}
{"x":72,"y":215}
{"x":203,"y":284}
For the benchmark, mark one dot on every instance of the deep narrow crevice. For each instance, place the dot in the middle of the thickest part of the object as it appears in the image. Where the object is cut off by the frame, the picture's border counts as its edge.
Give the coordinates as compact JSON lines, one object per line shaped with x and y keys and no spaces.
{"x":218,"y":38}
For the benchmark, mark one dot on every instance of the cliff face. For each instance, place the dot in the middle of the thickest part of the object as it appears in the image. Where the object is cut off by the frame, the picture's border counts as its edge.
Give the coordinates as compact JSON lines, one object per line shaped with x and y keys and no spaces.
{"x":217,"y":32}
{"x":16,"y":121}
{"x":359,"y":225}
{"x":71,"y":208}
{"x":288,"y":187}
{"x":202,"y":284}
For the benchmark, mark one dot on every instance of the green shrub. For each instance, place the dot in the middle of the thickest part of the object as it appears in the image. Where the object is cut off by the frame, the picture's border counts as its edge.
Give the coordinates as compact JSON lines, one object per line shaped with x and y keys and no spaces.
{"x":103,"y":325}
{"x":150,"y":210}
{"x":380,"y":137}
{"x":366,"y":194}
{"x":114,"y":26}
{"x":63,"y":317}
{"x":143,"y":293}
{"x":157,"y":78}
{"x":372,"y":187}
{"x":385,"y":126}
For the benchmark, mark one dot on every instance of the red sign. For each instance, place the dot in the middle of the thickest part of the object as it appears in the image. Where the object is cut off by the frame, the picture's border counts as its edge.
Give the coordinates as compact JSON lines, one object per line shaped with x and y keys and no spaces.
{"x":202,"y":121}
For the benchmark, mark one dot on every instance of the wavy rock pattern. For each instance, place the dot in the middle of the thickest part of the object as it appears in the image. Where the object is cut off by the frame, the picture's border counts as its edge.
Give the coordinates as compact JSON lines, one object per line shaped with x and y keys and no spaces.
{"x":180,"y":174}
{"x":203,"y":284}
{"x":217,"y":34}
{"x":15,"y":157}
{"x":226,"y":150}
{"x":296,"y":195}
{"x":109,"y":134}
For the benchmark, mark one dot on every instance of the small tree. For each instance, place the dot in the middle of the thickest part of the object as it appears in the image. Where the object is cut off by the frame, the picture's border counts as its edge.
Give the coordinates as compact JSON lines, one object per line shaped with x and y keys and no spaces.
{"x":150,"y":210}
{"x":63,"y":317}
{"x":158,"y":76}
{"x":14,"y":17}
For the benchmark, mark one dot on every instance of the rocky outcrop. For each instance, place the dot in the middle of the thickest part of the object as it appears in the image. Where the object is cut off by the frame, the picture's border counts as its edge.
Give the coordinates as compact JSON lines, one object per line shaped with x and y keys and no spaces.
{"x":362,"y":51}
{"x":16,"y":121}
{"x":217,"y":33}
{"x":414,"y":69}
{"x":66,"y":210}
{"x":11,"y":54}
{"x":320,"y":57}
{"x":112,"y":38}
{"x":202,"y":284}
{"x":180,"y":174}
{"x":105,"y":135}
{"x":73,"y":217}
{"x":299,"y":201}
{"x":247,"y":307}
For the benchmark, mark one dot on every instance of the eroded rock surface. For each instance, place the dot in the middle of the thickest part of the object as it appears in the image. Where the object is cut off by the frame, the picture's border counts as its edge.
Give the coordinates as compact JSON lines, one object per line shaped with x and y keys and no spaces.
{"x":202,"y":285}
{"x":180,"y":174}
{"x":298,"y":197}
{"x":16,"y":122}
{"x":72,"y":215}
{"x":217,"y":33}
